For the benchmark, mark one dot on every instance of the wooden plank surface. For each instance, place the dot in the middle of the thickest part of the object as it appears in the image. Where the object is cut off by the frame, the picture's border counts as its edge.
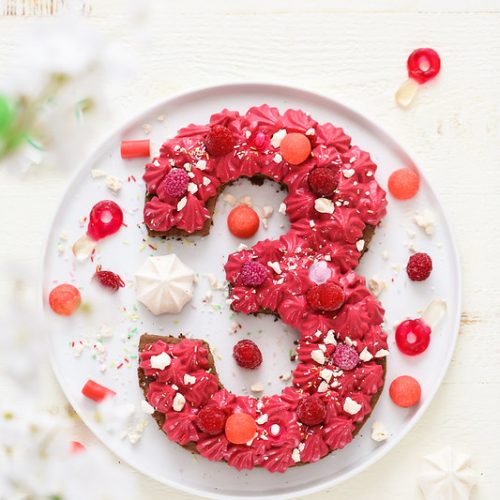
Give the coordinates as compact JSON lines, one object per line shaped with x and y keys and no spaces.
{"x":356,"y":54}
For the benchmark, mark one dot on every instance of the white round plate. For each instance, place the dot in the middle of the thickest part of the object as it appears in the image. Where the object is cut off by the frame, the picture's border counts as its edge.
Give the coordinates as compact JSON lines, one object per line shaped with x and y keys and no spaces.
{"x":71,"y":339}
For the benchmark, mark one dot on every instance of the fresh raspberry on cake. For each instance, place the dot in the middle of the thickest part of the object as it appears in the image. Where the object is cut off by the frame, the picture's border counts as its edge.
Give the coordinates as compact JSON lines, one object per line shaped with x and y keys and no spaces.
{"x":323,"y":181}
{"x":325,"y":297}
{"x":247,"y":354}
{"x":219,"y":141}
{"x":419,"y":267}
{"x":311,"y":411}
{"x":211,"y":420}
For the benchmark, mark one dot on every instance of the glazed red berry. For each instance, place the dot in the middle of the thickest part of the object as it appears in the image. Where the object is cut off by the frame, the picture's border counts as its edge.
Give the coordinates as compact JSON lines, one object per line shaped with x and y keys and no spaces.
{"x":345,"y":357}
{"x":219,"y":141}
{"x":413,"y":337}
{"x":247,"y":354}
{"x":253,"y":273}
{"x":311,"y":410}
{"x":423,"y":65}
{"x":211,"y":420}
{"x":108,"y":279}
{"x":174,"y":184}
{"x":419,"y":267}
{"x":405,"y":391}
{"x":105,"y":218}
{"x":326,"y":297}
{"x":323,"y":181}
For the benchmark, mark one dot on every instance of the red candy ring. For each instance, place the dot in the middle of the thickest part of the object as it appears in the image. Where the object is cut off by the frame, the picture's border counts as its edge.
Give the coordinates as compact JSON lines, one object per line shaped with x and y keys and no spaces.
{"x":423,"y":65}
{"x":106,"y":217}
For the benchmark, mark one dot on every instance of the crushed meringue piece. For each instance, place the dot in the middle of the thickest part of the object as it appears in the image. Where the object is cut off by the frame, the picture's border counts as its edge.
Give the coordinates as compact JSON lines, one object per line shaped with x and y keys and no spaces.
{"x":324,"y":206}
{"x":146,"y":407}
{"x":318,"y":356}
{"x":426,"y":221}
{"x":277,"y":138}
{"x":275,"y":266}
{"x":113,"y":183}
{"x":365,"y":355}
{"x":351,"y":406}
{"x":376,"y":286}
{"x":258,"y":387}
{"x":379,"y":432}
{"x":161,"y":361}
{"x":97,"y":173}
{"x":179,"y":402}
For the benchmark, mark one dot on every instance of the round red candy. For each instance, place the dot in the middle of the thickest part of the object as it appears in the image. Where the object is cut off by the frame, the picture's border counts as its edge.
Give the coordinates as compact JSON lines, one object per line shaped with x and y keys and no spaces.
{"x":405,"y":391}
{"x":404,"y":183}
{"x":243,"y":221}
{"x":211,"y":420}
{"x":413,"y":337}
{"x":325,"y":297}
{"x":295,"y":148}
{"x":423,"y":65}
{"x":311,"y":410}
{"x":65,"y":299}
{"x":240,"y":428}
{"x":105,"y":219}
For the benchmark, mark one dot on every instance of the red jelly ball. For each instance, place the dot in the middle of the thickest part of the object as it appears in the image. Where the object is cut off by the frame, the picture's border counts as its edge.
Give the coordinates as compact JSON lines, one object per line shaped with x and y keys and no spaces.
{"x":423,"y":65}
{"x":413,"y":337}
{"x":295,"y":148}
{"x":65,"y":299}
{"x":106,"y":217}
{"x":240,"y":428}
{"x":243,"y":221}
{"x":405,"y":391}
{"x":404,"y":183}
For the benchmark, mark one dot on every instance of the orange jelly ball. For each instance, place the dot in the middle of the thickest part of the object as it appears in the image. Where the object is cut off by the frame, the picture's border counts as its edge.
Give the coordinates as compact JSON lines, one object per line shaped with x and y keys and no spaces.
{"x":405,"y":391}
{"x":243,"y":221}
{"x":65,"y":299}
{"x":240,"y":428}
{"x":295,"y":148}
{"x":404,"y":183}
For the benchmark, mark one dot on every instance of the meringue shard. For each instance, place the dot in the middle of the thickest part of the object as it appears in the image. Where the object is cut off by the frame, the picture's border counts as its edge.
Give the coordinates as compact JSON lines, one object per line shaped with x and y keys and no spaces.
{"x":164,"y":284}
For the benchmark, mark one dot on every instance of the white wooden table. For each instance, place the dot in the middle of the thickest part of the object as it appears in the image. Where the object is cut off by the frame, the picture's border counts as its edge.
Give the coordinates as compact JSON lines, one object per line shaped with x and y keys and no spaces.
{"x":356,"y":54}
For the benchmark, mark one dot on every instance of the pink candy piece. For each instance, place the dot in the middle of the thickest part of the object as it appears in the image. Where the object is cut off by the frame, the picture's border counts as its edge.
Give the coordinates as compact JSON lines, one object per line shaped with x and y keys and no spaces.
{"x":253,"y":274}
{"x":175,"y":183}
{"x":319,"y":272}
{"x":345,"y":357}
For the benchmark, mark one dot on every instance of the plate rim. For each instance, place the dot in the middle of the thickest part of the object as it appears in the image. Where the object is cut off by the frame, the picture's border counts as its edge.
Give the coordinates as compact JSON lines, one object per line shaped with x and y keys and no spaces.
{"x":262,"y":86}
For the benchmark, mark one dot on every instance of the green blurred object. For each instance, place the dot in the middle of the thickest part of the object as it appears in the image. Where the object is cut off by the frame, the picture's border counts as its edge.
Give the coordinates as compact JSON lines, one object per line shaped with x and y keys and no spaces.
{"x":6,"y":114}
{"x":12,"y":131}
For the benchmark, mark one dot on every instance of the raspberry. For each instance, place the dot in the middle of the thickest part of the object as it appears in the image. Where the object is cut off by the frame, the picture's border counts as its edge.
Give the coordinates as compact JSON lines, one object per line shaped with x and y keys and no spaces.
{"x":175,"y":183}
{"x":211,"y":420}
{"x":311,"y":411}
{"x":419,"y":267}
{"x":108,"y":279}
{"x":323,"y":181}
{"x":405,"y":391}
{"x":247,"y":354}
{"x":345,"y":357}
{"x":325,"y":297}
{"x":219,"y":141}
{"x":253,"y":273}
